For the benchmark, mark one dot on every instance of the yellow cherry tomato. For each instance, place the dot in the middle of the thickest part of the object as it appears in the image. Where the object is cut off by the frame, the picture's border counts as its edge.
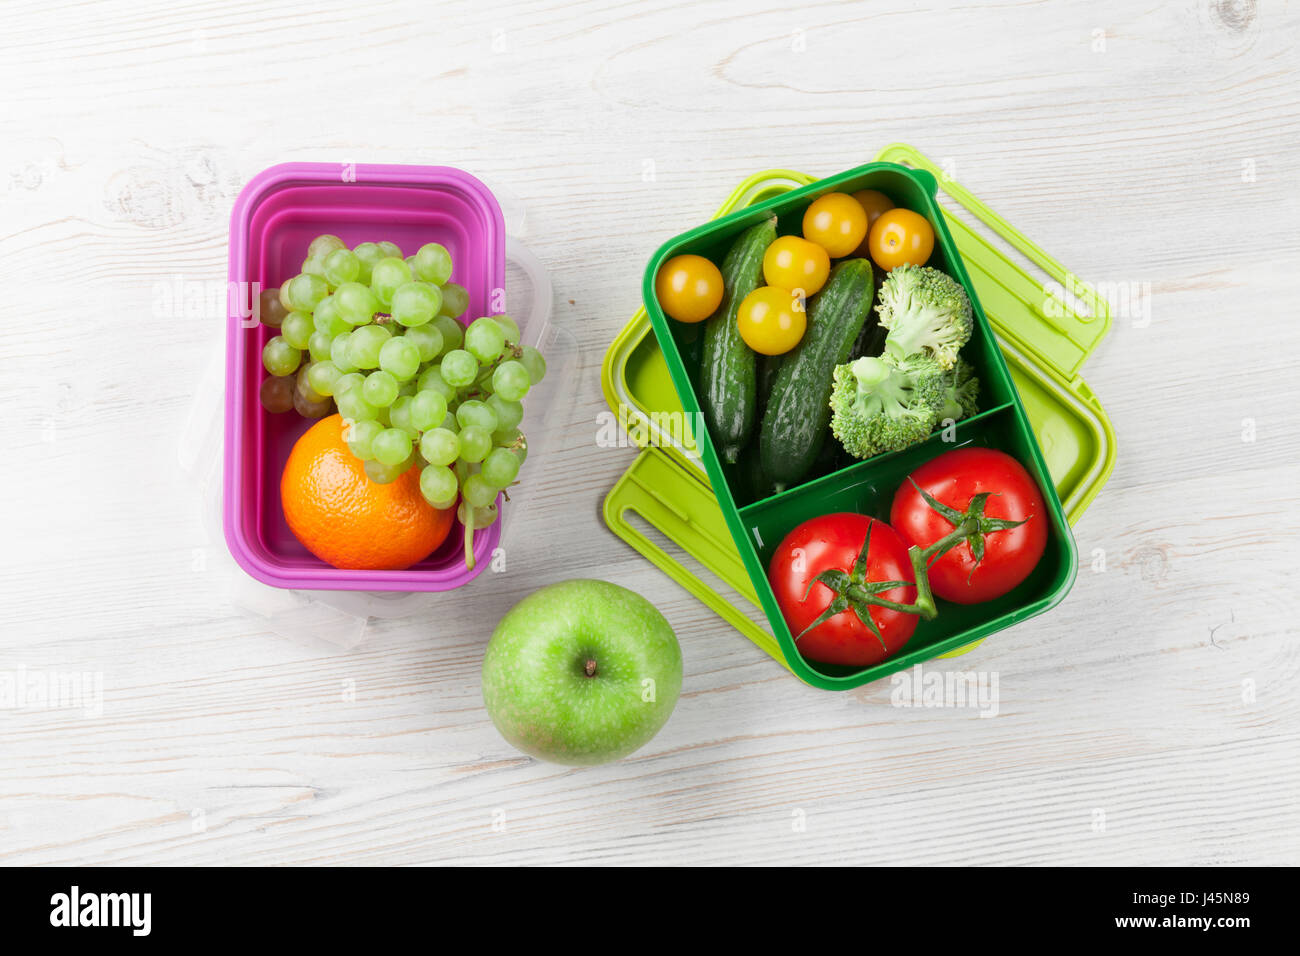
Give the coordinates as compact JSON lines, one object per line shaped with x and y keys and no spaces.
{"x":900,"y":237}
{"x":771,"y":320}
{"x":689,"y":288}
{"x":874,"y":202}
{"x":836,"y":222}
{"x":796,"y":265}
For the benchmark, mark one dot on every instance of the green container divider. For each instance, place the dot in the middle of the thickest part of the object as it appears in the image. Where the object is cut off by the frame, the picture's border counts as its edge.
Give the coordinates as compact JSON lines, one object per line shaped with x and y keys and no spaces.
{"x":667,"y":487}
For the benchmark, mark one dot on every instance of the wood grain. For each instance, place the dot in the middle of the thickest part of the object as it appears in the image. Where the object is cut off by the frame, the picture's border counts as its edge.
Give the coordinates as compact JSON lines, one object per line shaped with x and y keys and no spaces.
{"x":1150,"y":719}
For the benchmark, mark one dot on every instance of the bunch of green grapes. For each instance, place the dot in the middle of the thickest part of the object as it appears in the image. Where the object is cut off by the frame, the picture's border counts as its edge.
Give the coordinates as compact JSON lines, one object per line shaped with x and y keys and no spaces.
{"x":380,"y":337}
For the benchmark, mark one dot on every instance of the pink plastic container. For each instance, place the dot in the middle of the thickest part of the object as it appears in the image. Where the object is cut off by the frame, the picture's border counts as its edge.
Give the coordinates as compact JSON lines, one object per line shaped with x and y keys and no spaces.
{"x":274,"y":219}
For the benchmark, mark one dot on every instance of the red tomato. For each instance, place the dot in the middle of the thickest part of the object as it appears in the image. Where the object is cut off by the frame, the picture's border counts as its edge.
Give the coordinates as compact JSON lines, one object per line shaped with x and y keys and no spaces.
{"x":833,"y":542}
{"x":953,"y":479}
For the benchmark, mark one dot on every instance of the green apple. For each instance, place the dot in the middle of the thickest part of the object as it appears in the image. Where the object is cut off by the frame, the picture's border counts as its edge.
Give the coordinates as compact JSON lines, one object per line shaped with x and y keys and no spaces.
{"x":581,"y":672}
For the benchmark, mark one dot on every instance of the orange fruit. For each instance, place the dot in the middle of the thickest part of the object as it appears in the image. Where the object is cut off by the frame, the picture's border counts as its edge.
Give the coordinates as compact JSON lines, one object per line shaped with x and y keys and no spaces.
{"x":349,"y":521}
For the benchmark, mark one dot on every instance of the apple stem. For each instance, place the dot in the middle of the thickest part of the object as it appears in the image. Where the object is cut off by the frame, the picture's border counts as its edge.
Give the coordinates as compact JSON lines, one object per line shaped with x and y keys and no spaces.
{"x":590,"y":668}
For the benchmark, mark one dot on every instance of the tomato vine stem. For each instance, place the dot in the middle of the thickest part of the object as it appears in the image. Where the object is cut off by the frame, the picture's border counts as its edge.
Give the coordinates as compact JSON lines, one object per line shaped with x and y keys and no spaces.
{"x":971,"y":526}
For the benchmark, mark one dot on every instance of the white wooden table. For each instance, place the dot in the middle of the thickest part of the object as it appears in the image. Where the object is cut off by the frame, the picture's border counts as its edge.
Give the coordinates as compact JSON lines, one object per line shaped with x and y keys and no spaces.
{"x":1151,"y":718}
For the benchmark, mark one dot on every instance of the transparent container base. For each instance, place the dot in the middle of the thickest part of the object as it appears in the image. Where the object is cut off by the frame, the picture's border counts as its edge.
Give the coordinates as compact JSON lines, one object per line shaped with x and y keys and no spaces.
{"x":339,"y":618}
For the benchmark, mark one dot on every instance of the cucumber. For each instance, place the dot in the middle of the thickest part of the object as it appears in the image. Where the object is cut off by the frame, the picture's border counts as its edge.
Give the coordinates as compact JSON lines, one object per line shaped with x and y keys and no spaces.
{"x":768,"y":366}
{"x":728,"y":377}
{"x":798,"y":415}
{"x":871,"y":340}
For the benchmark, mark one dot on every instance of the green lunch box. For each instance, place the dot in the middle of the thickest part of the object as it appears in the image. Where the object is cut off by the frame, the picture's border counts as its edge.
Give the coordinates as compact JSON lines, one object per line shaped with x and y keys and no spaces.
{"x":1034,"y":405}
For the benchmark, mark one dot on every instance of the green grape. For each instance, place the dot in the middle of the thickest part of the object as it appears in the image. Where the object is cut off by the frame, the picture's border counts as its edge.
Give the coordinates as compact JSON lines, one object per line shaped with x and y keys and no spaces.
{"x":297,"y":329}
{"x":313,"y":266}
{"x":391,"y":250}
{"x":270,"y":310}
{"x":323,"y":376}
{"x":348,"y":380}
{"x":382,"y":474}
{"x":392,"y":446}
{"x":534,"y":363}
{"x":323,"y":245}
{"x":474,"y":412}
{"x":431,"y":379}
{"x":439,"y":446}
{"x":433,"y":263}
{"x":407,"y":388}
{"x":458,"y":368}
{"x":500,"y":468}
{"x":357,"y":305}
{"x":399,"y":414}
{"x":477,"y":517}
{"x":380,"y":389}
{"x":341,"y":354}
{"x":327,"y":319}
{"x":365,"y":344}
{"x":483,"y":381}
{"x":340,"y":266}
{"x":360,"y":437}
{"x":284,"y":296}
{"x":304,"y":384}
{"x":513,"y":441}
{"x":475,"y":443}
{"x":305,"y":292}
{"x":438,"y":484}
{"x":383,"y":418}
{"x":416,"y":303}
{"x":276,"y":396}
{"x":279,"y":357}
{"x":509,"y":326}
{"x":319,"y":346}
{"x":427,"y":340}
{"x":367,"y":253}
{"x":485,"y":340}
{"x":519,"y":448}
{"x":477,"y":492}
{"x":455,"y":300}
{"x":509,"y":414}
{"x":400,"y":358}
{"x":511,"y":380}
{"x":453,"y":333}
{"x":428,"y":410}
{"x":352,"y":404}
{"x":387,"y":275}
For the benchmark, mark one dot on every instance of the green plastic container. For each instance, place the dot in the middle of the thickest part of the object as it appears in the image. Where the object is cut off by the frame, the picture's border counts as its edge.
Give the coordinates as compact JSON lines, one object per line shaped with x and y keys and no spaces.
{"x":1030,"y":387}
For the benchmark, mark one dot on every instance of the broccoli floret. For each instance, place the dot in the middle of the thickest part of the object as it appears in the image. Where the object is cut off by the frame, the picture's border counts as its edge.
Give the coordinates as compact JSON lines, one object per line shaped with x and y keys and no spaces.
{"x":924,"y":311}
{"x":960,"y":389}
{"x":880,"y":405}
